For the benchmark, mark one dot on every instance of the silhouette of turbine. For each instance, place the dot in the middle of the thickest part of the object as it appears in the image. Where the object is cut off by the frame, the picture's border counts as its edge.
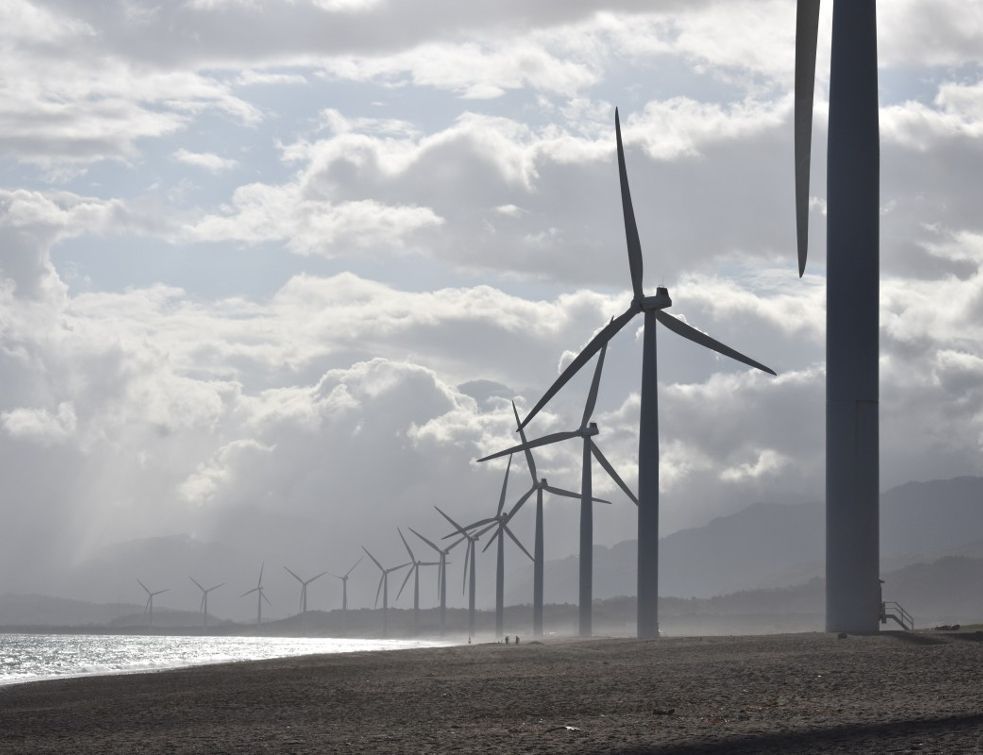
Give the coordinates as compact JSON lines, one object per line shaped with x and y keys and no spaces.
{"x":344,"y":583}
{"x":500,"y":523}
{"x":653,"y":309}
{"x":414,"y":572}
{"x":586,"y":432}
{"x":852,"y":289}
{"x":384,"y":588}
{"x":260,"y":595}
{"x":470,"y":564}
{"x":303,"y":587}
{"x":204,"y":600}
{"x":441,"y":573}
{"x":148,"y":607}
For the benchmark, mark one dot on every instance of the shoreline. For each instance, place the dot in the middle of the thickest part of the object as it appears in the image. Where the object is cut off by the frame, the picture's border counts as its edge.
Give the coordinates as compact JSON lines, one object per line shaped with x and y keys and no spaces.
{"x":344,"y":645}
{"x":779,"y":693}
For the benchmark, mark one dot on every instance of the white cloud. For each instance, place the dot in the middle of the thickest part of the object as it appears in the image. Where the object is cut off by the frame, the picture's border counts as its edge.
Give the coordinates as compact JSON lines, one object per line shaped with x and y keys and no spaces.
{"x":40,"y":425}
{"x":205,"y":160}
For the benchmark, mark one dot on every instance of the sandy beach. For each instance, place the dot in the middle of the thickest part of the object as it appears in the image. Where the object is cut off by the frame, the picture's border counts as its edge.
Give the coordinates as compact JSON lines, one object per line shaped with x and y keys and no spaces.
{"x":785,"y":693}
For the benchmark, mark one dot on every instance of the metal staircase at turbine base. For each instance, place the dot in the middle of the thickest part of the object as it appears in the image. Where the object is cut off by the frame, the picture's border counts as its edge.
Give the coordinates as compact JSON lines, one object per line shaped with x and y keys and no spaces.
{"x":891,"y":610}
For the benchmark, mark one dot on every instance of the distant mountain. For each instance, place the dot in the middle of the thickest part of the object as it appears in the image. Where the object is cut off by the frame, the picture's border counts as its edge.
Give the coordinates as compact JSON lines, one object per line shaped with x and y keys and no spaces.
{"x":40,"y":610}
{"x":769,"y":545}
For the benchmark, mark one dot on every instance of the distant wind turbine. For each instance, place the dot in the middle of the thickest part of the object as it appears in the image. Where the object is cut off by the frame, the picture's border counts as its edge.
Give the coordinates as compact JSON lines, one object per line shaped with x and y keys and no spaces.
{"x":303,"y":587}
{"x":260,"y":595}
{"x":587,"y":431}
{"x":148,"y":608}
{"x":441,"y":572}
{"x":204,"y":599}
{"x":415,"y":565}
{"x":383,"y":588}
{"x":653,"y":308}
{"x":344,"y":583}
{"x":500,"y":523}
{"x":470,"y":565}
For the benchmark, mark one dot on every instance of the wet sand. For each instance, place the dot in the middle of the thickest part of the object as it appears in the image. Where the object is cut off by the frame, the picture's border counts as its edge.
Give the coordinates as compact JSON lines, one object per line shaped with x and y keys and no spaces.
{"x":785,"y":693}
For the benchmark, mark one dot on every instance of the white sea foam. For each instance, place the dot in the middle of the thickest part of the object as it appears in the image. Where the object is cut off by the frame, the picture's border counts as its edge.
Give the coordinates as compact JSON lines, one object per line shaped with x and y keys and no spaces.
{"x":35,"y":657}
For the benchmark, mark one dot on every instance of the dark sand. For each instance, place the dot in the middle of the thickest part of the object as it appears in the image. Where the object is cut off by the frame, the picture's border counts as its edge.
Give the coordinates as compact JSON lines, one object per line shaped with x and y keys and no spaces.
{"x":787,"y":693}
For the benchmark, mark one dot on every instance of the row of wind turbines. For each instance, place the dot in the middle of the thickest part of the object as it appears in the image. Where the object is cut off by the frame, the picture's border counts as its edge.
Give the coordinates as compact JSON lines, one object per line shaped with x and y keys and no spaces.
{"x":497,"y":525}
{"x":853,"y":600}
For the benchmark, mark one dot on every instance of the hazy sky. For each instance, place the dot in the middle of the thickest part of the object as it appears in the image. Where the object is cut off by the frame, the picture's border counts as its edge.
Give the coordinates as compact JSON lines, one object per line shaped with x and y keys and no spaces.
{"x":273,"y":266}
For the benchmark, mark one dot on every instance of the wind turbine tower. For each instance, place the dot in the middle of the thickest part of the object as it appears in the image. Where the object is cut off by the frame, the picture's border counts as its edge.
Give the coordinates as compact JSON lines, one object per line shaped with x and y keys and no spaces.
{"x":853,"y":598}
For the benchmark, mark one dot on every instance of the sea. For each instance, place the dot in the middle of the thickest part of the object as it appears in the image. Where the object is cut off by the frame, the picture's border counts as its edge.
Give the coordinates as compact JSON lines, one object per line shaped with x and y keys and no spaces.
{"x":36,"y":657}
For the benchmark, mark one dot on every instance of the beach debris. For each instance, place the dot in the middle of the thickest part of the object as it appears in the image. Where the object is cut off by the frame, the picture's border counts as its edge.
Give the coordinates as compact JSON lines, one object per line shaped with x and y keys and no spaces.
{"x":841,"y":636}
{"x":947,"y":628}
{"x":563,"y":728}
{"x":663,"y":711}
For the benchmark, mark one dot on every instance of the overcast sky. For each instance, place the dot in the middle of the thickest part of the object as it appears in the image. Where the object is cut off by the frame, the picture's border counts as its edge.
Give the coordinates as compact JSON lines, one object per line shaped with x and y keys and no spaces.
{"x":270,"y":261}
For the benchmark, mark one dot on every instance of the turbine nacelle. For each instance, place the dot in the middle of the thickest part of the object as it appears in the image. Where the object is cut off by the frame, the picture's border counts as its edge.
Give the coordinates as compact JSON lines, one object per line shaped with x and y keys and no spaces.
{"x":661,"y":300}
{"x":588,"y":431}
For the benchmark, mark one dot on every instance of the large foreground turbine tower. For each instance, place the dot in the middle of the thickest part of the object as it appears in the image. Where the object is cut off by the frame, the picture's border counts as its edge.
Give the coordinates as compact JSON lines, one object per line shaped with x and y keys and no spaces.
{"x":853,"y":598}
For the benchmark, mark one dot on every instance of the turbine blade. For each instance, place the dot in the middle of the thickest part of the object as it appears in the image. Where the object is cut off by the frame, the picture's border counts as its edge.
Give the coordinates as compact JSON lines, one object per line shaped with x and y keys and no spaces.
{"x":261,"y":567}
{"x":409,"y":574}
{"x":505,"y":485}
{"x":518,"y":504}
{"x":516,"y":541}
{"x":594,"y":385}
{"x":374,"y":560}
{"x":535,"y":443}
{"x":688,"y":331}
{"x":530,"y":463}
{"x":486,"y":529}
{"x":806,"y":34}
{"x":481,"y":522}
{"x":467,"y":560}
{"x":143,"y":586}
{"x":249,"y":592}
{"x":412,"y":557}
{"x":602,"y":337}
{"x":424,"y":539}
{"x":317,"y":577}
{"x":294,"y":575}
{"x":216,"y":587}
{"x":570,"y":494}
{"x":354,"y":565}
{"x":498,"y":533}
{"x":454,"y":524}
{"x":263,"y":596}
{"x":631,"y":230}
{"x":611,"y":473}
{"x":196,"y":584}
{"x":379,"y":590}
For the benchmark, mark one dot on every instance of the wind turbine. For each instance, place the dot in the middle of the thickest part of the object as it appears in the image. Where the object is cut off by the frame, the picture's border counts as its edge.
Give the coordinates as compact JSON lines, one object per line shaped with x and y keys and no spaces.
{"x":260,"y":596}
{"x":149,"y":606}
{"x":384,"y":587}
{"x":852,"y":290}
{"x":653,"y":308}
{"x":539,"y":486}
{"x":204,"y":599}
{"x":586,"y":432}
{"x":415,"y":573}
{"x":303,"y":587}
{"x":441,"y":572}
{"x":344,"y":583}
{"x":500,"y":523}
{"x":470,"y":565}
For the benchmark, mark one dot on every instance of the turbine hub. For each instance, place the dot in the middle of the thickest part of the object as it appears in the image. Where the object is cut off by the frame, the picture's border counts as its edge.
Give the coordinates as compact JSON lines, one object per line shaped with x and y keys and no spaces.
{"x":590,"y":430}
{"x":661,"y":300}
